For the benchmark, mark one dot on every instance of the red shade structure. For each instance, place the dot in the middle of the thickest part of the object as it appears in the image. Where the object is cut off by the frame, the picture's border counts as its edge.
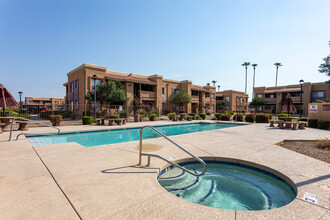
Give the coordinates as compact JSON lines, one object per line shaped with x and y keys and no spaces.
{"x":6,"y":99}
{"x":288,"y":106}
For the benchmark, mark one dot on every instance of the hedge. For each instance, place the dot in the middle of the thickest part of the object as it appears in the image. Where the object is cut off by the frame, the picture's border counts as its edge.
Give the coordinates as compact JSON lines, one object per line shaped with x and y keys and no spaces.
{"x":55,"y":119}
{"x":322,"y":124}
{"x":152,"y":117}
{"x":261,"y":118}
{"x":202,"y":115}
{"x":249,"y":118}
{"x":87,"y":120}
{"x":313,"y":123}
{"x":225,"y":117}
{"x":217,"y":116}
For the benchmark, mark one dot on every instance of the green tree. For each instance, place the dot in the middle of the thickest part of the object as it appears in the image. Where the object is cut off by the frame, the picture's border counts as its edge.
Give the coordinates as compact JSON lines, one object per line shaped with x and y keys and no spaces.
{"x":325,"y":67}
{"x":214,"y":82}
{"x":182,"y":95}
{"x":219,"y":105}
{"x":219,"y":88}
{"x":208,"y":84}
{"x":254,"y":75}
{"x":246,"y":64}
{"x":277,"y":65}
{"x":257,"y":102}
{"x":110,"y":91}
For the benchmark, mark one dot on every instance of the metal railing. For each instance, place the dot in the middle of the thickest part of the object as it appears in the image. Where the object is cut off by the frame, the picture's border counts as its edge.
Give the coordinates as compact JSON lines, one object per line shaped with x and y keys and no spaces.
{"x":25,"y":119}
{"x":160,"y":157}
{"x":232,"y":117}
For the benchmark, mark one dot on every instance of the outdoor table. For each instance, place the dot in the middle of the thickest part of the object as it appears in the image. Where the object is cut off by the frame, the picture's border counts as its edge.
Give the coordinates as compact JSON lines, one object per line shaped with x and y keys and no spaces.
{"x":23,"y":125}
{"x":287,"y":118}
{"x":7,"y":121}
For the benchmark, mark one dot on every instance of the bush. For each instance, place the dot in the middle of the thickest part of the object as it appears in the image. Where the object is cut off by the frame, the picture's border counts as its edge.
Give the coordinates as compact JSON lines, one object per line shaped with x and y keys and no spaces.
{"x":225,"y":117}
{"x":249,"y":118}
{"x":217,"y":116}
{"x":302,"y":119}
{"x":261,"y":118}
{"x":270,"y":116}
{"x":73,"y":116}
{"x":152,"y":117}
{"x":193,"y":116}
{"x":171,"y":115}
{"x":116,"y":116}
{"x":166,"y":112}
{"x":323,"y":143}
{"x":283,"y":115}
{"x":208,"y":113}
{"x":313,"y":123}
{"x":55,"y":119}
{"x":123,"y":114}
{"x":87,"y":120}
{"x":154,"y":112}
{"x":239,"y":117}
{"x":202,"y":115}
{"x":322,"y":124}
{"x":141,"y":112}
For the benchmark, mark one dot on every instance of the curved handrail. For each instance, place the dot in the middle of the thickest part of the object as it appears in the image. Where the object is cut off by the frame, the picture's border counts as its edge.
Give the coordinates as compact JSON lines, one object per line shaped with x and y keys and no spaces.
{"x":12,"y":126}
{"x":160,"y":157}
{"x":232,"y":117}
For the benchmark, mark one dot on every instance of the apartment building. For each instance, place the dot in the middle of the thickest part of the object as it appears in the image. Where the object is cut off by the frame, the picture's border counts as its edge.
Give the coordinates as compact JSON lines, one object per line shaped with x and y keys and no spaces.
{"x":153,"y":91}
{"x":275,"y":96}
{"x":233,"y":101}
{"x":37,"y":104}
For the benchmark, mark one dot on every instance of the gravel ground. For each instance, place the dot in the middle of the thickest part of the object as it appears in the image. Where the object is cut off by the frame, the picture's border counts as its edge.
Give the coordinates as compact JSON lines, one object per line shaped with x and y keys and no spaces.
{"x":307,"y":148}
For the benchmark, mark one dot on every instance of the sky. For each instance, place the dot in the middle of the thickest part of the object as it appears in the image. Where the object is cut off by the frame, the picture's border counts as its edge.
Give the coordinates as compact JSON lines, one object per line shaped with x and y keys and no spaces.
{"x":41,"y":41}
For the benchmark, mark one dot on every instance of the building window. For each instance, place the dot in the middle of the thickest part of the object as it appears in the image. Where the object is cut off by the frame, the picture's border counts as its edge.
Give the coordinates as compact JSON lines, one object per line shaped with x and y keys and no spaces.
{"x":175,"y":91}
{"x":207,"y":95}
{"x":95,"y":82}
{"x":242,"y":99}
{"x":76,"y":105}
{"x":76,"y":84}
{"x":259,"y":95}
{"x":270,"y":95}
{"x":29,"y":101}
{"x":148,"y":88}
{"x":237,"y":99}
{"x":71,"y":87}
{"x":56,"y":102}
{"x":194,"y":93}
{"x":212,"y":107}
{"x":318,"y":95}
{"x":212,"y":96}
{"x":227,"y":99}
{"x":163,"y":90}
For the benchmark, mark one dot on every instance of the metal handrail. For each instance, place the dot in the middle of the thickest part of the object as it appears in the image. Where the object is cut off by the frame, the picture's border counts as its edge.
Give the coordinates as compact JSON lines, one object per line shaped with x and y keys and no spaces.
{"x":232,"y":117}
{"x":12,"y":126}
{"x":160,"y":157}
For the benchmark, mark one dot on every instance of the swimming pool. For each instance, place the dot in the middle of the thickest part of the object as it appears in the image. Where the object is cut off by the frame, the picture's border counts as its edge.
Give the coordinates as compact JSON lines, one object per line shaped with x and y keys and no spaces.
{"x":228,"y":185}
{"x":95,"y":138}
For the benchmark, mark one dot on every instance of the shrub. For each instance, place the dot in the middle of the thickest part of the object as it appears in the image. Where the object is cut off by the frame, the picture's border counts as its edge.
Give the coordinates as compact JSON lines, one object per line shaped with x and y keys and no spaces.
{"x":55,"y":119}
{"x":322,"y":124}
{"x":323,"y":143}
{"x":123,"y":114}
{"x":87,"y":120}
{"x":302,"y":119}
{"x":73,"y":116}
{"x":154,"y":112}
{"x":238,"y":117}
{"x":198,"y":117}
{"x":116,"y":116}
{"x":270,"y":116}
{"x":141,"y":112}
{"x":217,"y":116}
{"x":225,"y":117}
{"x":208,"y":113}
{"x":261,"y":118}
{"x":229,"y":112}
{"x":193,"y":116}
{"x":152,"y":117}
{"x":312,"y":123}
{"x":202,"y":115}
{"x":249,"y":118}
{"x":171,"y":115}
{"x":283,"y":115}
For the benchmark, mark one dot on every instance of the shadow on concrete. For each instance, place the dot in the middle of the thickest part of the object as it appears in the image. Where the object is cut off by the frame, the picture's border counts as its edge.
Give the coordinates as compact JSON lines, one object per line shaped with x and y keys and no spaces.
{"x":141,"y":169}
{"x":320,"y":178}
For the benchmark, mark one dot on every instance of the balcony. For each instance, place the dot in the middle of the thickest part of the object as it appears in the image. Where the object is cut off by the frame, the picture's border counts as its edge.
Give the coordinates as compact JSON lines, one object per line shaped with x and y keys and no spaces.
{"x":194,"y":99}
{"x":146,"y":95}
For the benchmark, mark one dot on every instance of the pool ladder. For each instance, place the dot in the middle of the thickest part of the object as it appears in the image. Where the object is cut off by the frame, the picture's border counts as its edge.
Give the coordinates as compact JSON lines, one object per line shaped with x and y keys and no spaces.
{"x":25,"y":119}
{"x":160,"y":157}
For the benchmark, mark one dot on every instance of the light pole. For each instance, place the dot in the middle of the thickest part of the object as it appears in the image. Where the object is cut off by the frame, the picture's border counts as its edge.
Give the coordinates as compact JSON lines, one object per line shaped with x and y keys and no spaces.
{"x":301,"y":82}
{"x":94,"y":78}
{"x":20,"y":99}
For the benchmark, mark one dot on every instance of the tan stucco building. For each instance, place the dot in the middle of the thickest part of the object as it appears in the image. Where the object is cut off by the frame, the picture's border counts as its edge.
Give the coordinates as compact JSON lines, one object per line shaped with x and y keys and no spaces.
{"x":36,"y":104}
{"x":152,"y":91}
{"x":275,"y":96}
{"x":233,"y":100}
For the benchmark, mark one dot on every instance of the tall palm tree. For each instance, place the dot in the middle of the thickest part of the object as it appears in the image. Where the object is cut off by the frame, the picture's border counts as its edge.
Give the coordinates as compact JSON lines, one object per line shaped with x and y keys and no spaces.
{"x":214,"y":82}
{"x":219,"y":88}
{"x":246,"y":64}
{"x":277,"y":65}
{"x":208,"y":84}
{"x":254,"y":74}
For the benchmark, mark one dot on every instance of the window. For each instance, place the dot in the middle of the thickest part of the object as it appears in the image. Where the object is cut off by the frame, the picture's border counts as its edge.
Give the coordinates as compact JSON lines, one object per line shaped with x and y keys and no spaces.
{"x":56,"y":102}
{"x":237,"y":99}
{"x":227,"y":99}
{"x":317,"y":95}
{"x":194,"y":93}
{"x":295,"y":94}
{"x":212,"y":96}
{"x":207,"y":95}
{"x":29,"y":101}
{"x":76,"y":105}
{"x":242,"y":99}
{"x":270,"y":95}
{"x":71,"y":87}
{"x":163,"y":90}
{"x":76,"y":84}
{"x":95,"y":82}
{"x":219,"y":98}
{"x":259,"y":95}
{"x":148,"y":88}
{"x":212,"y":107}
{"x":175,"y":91}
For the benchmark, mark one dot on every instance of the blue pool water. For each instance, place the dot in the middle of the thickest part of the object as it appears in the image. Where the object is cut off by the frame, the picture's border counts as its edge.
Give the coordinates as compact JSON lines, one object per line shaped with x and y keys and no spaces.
{"x":228,"y":185}
{"x":95,"y":138}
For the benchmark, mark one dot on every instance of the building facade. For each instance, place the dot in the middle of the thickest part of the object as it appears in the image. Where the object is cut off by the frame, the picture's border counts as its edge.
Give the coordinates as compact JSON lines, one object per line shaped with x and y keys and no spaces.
{"x":37,"y":104}
{"x":236,"y":101}
{"x":275,"y":96}
{"x":153,"y":91}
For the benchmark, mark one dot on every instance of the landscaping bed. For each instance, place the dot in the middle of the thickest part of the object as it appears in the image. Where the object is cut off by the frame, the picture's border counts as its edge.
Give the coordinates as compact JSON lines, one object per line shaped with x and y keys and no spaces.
{"x":318,"y":149}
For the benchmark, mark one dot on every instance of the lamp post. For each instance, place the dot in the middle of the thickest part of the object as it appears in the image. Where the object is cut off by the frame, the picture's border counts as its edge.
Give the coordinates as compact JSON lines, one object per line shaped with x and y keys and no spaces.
{"x":301,"y":82}
{"x":94,"y":78}
{"x":20,"y":99}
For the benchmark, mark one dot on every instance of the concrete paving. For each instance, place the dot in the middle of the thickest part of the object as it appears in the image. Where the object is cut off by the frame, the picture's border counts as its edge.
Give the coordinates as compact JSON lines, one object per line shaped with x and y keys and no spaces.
{"x":69,"y":181}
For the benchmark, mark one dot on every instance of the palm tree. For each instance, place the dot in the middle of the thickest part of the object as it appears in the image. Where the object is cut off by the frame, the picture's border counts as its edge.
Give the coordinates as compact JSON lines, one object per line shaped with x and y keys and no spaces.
{"x":254,"y":74}
{"x":277,"y":65}
{"x":246,"y":64}
{"x":219,"y":88}
{"x":208,"y":84}
{"x":214,"y":82}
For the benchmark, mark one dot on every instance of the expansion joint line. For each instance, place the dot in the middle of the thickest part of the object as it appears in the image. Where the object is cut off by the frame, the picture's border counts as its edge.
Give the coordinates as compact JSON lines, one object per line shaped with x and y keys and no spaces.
{"x":57,"y":184}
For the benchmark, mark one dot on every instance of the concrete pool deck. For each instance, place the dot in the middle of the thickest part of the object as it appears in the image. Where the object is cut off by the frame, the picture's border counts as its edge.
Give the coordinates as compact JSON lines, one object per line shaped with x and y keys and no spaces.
{"x":69,"y":181}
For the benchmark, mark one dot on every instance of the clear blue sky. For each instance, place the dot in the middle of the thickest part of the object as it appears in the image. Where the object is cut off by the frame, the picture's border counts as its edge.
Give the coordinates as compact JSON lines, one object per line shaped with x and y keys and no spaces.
{"x":40,"y":41}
